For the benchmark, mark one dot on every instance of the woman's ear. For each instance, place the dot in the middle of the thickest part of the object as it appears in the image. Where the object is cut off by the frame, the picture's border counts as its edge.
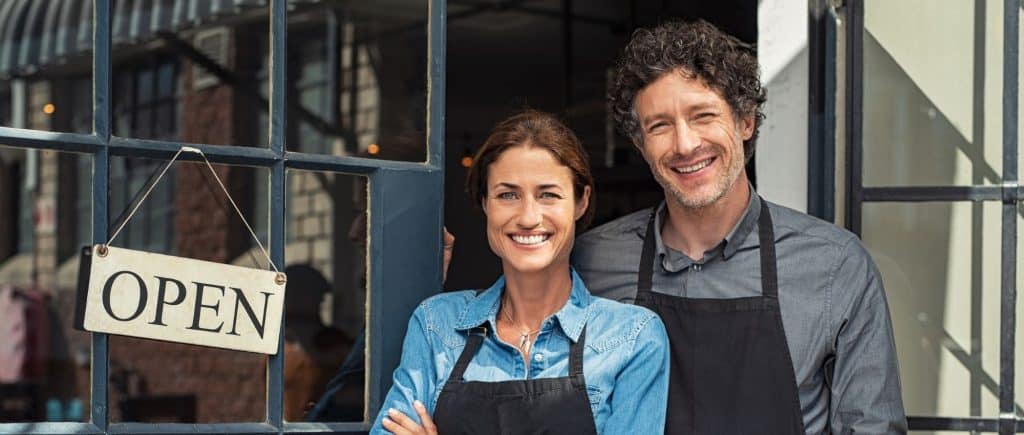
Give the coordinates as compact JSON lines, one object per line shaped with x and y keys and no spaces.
{"x":583,"y":203}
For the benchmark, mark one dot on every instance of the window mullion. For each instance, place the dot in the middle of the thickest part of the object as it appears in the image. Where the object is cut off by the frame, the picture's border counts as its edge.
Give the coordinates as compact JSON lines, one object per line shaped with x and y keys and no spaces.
{"x":1008,"y":320}
{"x":278,"y":105}
{"x":100,"y":415}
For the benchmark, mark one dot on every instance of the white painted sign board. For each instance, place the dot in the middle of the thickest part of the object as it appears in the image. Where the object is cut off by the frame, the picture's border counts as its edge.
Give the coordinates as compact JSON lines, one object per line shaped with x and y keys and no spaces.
{"x":162,"y":297}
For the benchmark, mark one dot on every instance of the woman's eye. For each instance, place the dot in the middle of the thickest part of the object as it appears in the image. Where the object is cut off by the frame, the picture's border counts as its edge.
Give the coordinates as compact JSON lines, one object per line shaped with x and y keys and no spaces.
{"x":507,"y":195}
{"x":550,"y":195}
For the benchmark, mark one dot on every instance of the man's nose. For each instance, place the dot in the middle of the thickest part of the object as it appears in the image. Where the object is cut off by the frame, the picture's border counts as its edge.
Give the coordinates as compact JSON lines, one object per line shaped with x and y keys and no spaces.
{"x":687,"y":138}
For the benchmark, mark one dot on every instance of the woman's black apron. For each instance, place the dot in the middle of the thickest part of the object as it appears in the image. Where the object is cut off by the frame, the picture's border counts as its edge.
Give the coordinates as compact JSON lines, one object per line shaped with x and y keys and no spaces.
{"x":731,"y":369}
{"x":533,"y":406}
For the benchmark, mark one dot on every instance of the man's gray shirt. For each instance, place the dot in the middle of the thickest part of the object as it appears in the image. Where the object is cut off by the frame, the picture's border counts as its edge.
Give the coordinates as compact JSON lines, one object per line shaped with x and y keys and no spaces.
{"x":831,"y":296}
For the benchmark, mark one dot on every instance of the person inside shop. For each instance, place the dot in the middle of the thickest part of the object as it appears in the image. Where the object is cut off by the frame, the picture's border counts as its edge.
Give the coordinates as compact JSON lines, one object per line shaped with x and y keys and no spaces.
{"x":778,"y":321}
{"x":535,"y":352}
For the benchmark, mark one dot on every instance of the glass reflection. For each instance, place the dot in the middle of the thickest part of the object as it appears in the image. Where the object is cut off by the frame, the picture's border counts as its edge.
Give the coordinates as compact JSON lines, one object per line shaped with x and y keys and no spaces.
{"x":188,"y":71}
{"x":45,"y":65}
{"x":44,"y":362}
{"x":187,"y":215}
{"x":325,"y":305}
{"x":351,"y":63}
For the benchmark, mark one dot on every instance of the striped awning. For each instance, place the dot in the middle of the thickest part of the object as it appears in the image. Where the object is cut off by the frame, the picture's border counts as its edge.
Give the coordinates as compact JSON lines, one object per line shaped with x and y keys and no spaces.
{"x":36,"y":33}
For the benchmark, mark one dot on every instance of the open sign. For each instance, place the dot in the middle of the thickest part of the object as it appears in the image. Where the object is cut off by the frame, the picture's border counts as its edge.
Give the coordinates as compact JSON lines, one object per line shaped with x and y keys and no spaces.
{"x":162,"y":297}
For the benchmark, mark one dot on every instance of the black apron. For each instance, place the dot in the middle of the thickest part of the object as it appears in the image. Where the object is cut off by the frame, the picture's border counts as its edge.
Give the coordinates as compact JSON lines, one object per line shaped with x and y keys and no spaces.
{"x":731,"y":369}
{"x":534,"y":406}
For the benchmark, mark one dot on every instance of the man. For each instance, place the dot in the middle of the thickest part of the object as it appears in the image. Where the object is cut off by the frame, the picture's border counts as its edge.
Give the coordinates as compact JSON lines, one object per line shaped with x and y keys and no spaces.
{"x":778,"y":321}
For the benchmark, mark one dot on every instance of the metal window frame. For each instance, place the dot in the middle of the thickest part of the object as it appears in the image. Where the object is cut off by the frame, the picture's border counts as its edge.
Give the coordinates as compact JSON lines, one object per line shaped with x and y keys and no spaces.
{"x":411,"y":217}
{"x":1010,"y":194}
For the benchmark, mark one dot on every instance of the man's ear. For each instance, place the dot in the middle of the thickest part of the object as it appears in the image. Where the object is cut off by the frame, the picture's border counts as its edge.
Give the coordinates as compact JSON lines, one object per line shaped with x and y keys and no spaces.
{"x":747,"y":126}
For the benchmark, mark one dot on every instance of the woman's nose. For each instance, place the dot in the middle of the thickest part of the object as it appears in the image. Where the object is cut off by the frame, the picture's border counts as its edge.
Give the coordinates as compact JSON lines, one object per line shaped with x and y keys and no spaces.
{"x":529,"y":215}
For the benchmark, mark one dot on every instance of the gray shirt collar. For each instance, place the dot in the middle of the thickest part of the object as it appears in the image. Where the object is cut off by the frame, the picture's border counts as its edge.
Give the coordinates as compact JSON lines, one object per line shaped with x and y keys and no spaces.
{"x":674,"y":261}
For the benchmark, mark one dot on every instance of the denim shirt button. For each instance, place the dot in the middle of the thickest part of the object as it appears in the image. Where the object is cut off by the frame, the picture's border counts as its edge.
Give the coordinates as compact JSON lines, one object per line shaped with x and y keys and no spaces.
{"x":538,"y":357}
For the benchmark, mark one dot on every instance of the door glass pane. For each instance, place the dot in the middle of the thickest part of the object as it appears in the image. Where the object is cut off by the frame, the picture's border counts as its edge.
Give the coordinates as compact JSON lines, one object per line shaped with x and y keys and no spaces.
{"x":187,"y":215}
{"x":940,"y":265}
{"x":358,"y":79}
{"x":190,"y":71}
{"x":933,"y":92}
{"x":45,"y":65}
{"x":45,"y":217}
{"x":325,"y":306}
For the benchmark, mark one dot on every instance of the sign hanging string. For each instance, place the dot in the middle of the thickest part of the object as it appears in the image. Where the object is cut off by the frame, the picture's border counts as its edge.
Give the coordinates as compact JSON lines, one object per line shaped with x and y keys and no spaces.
{"x":219,"y":182}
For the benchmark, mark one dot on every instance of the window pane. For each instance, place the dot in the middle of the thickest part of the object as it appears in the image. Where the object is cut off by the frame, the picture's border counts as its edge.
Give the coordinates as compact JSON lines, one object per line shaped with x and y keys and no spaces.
{"x":186,"y":215}
{"x":940,"y":265}
{"x":44,"y":362}
{"x":325,"y":305}
{"x":196,"y":60}
{"x":376,"y":64}
{"x":932,"y":92}
{"x":46,"y":65}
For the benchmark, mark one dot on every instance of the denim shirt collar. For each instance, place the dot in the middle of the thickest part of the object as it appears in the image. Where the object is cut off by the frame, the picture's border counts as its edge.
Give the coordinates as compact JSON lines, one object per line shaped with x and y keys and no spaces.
{"x":734,"y":239}
{"x":571,"y":317}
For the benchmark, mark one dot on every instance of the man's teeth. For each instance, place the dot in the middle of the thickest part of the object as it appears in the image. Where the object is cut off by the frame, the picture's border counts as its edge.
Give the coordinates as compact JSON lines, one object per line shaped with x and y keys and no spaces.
{"x":693,"y":168}
{"x":530,"y":240}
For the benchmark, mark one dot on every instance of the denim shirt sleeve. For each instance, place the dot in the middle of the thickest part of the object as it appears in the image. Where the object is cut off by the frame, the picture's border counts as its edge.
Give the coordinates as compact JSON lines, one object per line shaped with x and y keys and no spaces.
{"x":412,"y":379}
{"x":641,"y":388}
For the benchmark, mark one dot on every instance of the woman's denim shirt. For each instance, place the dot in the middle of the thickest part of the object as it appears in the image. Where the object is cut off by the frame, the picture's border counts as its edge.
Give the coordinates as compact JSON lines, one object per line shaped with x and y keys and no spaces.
{"x":625,"y":360}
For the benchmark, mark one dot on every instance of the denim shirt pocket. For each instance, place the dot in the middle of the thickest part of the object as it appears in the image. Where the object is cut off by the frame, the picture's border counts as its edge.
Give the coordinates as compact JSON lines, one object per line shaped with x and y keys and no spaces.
{"x":608,"y":344}
{"x":444,"y":332}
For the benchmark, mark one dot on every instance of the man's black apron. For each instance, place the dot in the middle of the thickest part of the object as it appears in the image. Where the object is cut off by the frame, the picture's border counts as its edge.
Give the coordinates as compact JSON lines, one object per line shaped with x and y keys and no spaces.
{"x":534,"y":406}
{"x":731,"y":369}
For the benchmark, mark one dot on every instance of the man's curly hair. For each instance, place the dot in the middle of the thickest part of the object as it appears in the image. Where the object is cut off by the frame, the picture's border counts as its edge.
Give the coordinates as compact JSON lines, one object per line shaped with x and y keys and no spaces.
{"x":697,"y":50}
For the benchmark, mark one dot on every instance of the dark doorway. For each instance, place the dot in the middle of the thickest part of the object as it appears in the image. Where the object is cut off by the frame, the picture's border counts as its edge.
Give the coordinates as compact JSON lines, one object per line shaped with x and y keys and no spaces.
{"x":555,"y":56}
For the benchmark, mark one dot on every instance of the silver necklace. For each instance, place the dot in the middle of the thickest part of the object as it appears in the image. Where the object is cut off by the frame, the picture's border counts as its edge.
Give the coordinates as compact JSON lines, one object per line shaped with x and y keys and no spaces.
{"x":525,"y":342}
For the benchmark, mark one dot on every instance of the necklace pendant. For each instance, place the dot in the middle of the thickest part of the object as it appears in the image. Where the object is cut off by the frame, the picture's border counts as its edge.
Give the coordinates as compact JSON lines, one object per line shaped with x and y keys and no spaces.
{"x":524,"y":343}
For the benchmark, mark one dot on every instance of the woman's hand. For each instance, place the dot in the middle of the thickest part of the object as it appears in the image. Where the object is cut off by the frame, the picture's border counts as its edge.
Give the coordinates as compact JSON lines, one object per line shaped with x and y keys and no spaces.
{"x":399,"y":424}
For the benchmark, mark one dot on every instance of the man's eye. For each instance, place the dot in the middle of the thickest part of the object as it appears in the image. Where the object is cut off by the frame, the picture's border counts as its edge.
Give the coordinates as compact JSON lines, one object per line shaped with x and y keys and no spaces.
{"x":507,"y":195}
{"x":656,"y":126}
{"x":706,"y":115}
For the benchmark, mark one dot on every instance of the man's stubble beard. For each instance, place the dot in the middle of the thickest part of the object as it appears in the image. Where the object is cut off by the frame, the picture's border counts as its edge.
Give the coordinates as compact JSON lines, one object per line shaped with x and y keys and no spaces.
{"x":721,"y":185}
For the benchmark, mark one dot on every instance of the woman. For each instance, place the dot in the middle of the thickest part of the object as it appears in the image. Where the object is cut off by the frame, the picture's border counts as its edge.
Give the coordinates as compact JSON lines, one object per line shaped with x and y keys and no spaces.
{"x":535,"y":352}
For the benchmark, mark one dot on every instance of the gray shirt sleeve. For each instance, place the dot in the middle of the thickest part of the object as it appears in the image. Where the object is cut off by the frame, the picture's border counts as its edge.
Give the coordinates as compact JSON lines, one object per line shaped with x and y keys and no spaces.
{"x":865,"y":384}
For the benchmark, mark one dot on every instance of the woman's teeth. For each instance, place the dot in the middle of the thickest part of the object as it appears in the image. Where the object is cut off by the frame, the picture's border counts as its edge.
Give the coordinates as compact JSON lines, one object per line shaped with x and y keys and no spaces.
{"x":530,"y":240}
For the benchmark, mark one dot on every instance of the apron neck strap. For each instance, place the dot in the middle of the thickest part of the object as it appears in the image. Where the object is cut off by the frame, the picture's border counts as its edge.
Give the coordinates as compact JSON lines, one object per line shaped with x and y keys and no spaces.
{"x":766,"y":236}
{"x":473,"y":343}
{"x":645,"y":280}
{"x":576,"y":354}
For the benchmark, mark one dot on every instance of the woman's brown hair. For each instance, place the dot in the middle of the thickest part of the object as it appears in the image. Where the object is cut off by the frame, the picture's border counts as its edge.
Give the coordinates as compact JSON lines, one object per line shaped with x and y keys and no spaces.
{"x":532,"y":128}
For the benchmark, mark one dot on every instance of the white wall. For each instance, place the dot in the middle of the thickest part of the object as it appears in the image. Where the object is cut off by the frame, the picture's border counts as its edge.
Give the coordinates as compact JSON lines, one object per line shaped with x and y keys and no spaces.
{"x":782,"y":147}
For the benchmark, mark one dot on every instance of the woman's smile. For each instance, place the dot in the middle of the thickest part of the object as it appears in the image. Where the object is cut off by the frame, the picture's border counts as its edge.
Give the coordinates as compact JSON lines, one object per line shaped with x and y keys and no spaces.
{"x":530,"y":239}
